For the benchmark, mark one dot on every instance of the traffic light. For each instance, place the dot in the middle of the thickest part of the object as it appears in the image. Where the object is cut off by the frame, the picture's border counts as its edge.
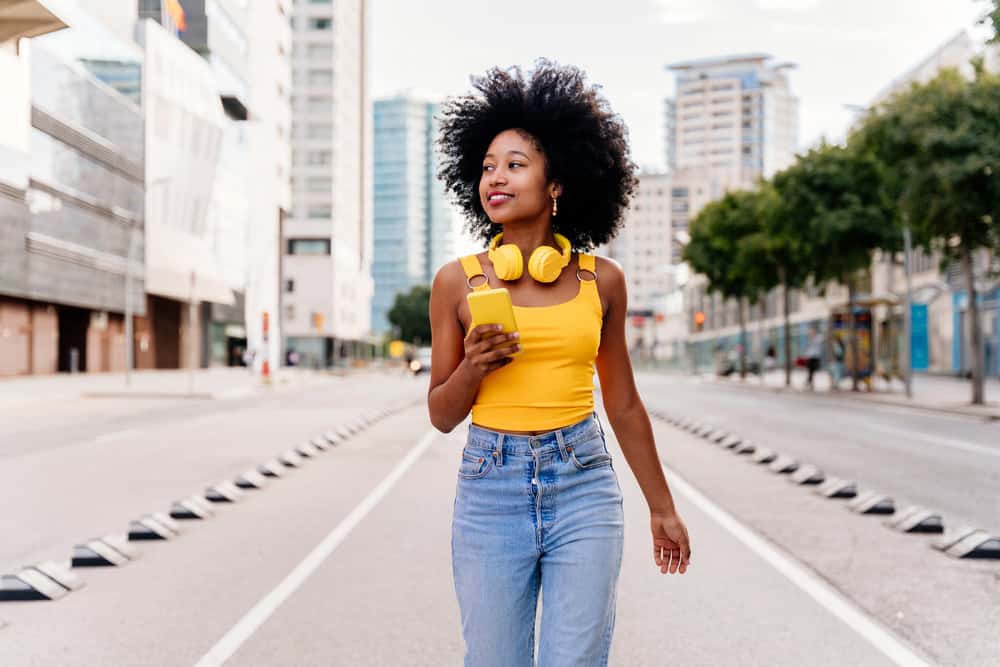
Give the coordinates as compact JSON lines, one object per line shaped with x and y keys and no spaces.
{"x":699,"y":320}
{"x":317,"y":321}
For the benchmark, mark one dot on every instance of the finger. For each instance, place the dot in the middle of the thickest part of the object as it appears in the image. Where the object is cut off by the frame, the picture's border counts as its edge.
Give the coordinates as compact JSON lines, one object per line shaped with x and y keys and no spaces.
{"x":492,"y":366}
{"x":497,"y":353}
{"x":485,"y":329}
{"x":504,"y":351}
{"x":675,"y":560}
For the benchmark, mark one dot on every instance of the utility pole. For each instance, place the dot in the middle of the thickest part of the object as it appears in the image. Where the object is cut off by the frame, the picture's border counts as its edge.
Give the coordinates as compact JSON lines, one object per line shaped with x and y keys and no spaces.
{"x":129,"y":330}
{"x":908,"y":312}
{"x":192,"y":344}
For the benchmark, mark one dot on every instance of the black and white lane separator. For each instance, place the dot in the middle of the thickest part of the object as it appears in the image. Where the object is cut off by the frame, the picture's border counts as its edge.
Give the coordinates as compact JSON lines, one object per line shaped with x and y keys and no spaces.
{"x":45,"y":581}
{"x":51,"y":580}
{"x":156,"y":526}
{"x":107,"y":551}
{"x":967,"y":542}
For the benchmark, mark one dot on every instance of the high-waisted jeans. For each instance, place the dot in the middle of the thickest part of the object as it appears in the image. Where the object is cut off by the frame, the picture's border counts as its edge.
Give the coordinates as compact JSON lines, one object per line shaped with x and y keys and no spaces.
{"x":537,"y":512}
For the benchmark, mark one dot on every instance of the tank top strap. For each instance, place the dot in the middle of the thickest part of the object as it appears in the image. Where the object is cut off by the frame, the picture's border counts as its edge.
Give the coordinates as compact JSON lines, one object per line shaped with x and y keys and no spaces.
{"x":589,"y":284}
{"x":472,"y":269}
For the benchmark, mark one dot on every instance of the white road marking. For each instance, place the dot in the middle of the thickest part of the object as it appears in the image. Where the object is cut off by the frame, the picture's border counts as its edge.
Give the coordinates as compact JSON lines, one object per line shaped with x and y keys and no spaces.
{"x":253,"y":619}
{"x":116,"y":435}
{"x":826,"y":596}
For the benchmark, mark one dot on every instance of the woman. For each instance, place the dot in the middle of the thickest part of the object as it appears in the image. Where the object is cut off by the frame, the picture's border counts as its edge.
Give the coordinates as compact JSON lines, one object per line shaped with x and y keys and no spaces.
{"x":538,"y":506}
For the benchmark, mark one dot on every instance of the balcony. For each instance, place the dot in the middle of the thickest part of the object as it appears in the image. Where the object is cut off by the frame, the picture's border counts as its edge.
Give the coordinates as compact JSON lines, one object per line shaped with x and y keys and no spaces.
{"x":26,"y":18}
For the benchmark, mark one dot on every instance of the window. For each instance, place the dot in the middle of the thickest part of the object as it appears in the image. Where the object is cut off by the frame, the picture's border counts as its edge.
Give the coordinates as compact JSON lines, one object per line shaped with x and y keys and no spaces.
{"x":319,"y":157}
{"x":319,"y":131}
{"x":319,"y":184}
{"x":319,"y":77}
{"x":308,"y":246}
{"x":290,"y":285}
{"x":320,"y":24}
{"x":319,"y":212}
{"x":319,"y":51}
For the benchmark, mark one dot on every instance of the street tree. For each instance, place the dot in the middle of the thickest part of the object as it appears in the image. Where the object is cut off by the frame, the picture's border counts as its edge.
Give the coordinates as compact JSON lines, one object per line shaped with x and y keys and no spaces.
{"x":410,"y":312}
{"x":939,"y":148}
{"x":835,"y":197}
{"x":717,"y":233}
{"x":774,"y":256}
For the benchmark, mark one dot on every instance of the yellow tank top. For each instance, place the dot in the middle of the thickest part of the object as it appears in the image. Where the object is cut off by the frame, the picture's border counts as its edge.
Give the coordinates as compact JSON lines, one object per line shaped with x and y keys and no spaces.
{"x":550,"y":384}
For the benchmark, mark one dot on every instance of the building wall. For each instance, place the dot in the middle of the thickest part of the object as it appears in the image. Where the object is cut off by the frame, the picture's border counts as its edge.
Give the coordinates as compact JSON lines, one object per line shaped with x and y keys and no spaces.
{"x":185,"y":123}
{"x":331,"y":171}
{"x":15,"y":116}
{"x":270,"y":78}
{"x":732,"y":116}
{"x":642,"y":247}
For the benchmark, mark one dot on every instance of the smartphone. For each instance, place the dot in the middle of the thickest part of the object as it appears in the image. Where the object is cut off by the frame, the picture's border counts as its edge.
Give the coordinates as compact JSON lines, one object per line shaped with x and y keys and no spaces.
{"x":492,"y":306}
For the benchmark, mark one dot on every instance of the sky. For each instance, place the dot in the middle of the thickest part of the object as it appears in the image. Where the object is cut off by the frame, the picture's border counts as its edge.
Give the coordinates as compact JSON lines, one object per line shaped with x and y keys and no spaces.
{"x":845,"y":50}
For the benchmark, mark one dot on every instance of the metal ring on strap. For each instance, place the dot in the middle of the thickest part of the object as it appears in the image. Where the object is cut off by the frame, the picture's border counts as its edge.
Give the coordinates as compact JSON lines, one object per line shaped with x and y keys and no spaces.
{"x":468,"y":280}
{"x":588,"y":271}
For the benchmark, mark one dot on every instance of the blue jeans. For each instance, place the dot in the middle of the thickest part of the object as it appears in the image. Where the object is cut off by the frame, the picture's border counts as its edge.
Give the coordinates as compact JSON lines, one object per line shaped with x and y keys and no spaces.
{"x":537,"y":512}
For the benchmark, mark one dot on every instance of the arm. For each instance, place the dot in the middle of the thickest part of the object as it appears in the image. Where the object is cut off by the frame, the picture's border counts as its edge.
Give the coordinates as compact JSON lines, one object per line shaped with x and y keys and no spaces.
{"x":631,"y":423}
{"x":459,"y":363}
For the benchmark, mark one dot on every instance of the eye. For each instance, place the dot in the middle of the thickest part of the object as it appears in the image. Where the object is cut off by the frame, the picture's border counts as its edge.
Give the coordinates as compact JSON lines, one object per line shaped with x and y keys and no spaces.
{"x":487,"y":167}
{"x":516,"y":164}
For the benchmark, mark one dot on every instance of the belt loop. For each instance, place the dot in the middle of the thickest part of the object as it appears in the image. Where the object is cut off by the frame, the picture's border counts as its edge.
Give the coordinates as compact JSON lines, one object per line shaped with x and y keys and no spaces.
{"x":499,"y":449}
{"x":563,"y":454}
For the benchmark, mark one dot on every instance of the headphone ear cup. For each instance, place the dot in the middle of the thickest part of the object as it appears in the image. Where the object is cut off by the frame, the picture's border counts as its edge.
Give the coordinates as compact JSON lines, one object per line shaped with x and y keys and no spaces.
{"x":545,"y":264}
{"x":507,"y":262}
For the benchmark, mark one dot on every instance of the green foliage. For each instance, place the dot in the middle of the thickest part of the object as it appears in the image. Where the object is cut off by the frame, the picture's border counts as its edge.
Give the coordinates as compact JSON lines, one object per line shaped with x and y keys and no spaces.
{"x":773,"y":255}
{"x":717,"y":236}
{"x":411,"y":313}
{"x":938,"y":144}
{"x":833,"y":212}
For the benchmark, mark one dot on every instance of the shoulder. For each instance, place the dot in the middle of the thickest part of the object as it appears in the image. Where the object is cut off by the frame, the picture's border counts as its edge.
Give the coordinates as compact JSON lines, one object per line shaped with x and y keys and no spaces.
{"x":609,"y":272}
{"x":450,"y":278}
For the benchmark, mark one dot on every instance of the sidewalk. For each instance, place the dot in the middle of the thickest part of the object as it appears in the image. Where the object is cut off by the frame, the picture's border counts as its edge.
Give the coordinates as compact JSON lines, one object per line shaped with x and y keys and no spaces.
{"x":206,"y":383}
{"x":930,"y":392}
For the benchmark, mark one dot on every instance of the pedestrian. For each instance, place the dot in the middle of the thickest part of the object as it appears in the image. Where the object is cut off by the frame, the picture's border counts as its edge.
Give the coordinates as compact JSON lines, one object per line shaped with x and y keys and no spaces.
{"x":837,"y":364}
{"x":538,"y":507}
{"x":814,"y":353}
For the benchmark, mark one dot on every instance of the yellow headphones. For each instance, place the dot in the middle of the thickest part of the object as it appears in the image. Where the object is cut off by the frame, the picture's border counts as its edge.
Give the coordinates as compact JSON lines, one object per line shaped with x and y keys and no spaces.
{"x":544,"y":265}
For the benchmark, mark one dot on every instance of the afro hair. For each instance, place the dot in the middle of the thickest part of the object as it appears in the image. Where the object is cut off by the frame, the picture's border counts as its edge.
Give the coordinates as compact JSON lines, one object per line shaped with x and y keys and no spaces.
{"x":585,"y":146}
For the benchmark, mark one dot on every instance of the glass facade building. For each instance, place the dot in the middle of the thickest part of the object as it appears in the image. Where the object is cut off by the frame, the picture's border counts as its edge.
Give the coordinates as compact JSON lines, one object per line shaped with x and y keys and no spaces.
{"x":413,"y":237}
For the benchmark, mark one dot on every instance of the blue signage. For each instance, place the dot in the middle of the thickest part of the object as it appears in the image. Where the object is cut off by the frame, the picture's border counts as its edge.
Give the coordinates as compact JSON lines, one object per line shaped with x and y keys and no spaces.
{"x":919,"y":344}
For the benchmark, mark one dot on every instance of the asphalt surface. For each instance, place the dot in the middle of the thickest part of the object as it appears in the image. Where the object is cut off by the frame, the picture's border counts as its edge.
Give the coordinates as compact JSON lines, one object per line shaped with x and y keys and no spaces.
{"x":781,"y":576}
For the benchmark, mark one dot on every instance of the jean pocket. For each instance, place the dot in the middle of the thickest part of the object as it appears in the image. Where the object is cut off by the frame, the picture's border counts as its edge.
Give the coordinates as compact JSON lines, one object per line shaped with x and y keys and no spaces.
{"x":474,"y":466}
{"x":589,"y":454}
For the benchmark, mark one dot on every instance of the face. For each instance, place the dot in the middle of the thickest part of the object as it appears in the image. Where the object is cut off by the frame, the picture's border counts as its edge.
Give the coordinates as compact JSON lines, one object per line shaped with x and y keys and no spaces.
{"x":513,"y":186}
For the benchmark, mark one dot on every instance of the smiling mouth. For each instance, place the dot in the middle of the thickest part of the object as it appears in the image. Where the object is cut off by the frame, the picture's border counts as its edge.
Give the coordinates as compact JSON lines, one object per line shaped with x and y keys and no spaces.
{"x":499,"y":197}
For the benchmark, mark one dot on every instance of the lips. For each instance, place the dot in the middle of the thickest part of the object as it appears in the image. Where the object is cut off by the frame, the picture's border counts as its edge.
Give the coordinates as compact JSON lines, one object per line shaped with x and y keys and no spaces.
{"x":497,"y":197}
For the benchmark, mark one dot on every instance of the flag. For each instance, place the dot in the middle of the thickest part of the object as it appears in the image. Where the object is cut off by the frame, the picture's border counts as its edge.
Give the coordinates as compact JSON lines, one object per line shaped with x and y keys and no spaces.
{"x":176,"y":13}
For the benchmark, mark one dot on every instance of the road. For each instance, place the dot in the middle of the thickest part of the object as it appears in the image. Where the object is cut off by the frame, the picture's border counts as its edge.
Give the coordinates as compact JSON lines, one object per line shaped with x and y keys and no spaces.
{"x":346,"y":560}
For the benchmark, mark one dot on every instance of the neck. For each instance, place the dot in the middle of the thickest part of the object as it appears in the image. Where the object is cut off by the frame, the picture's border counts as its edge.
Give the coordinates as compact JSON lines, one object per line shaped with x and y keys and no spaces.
{"x":527,"y":238}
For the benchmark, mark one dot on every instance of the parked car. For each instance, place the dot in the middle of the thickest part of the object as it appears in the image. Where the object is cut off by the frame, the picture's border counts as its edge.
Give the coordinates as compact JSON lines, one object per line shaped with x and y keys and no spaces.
{"x":421,"y":363}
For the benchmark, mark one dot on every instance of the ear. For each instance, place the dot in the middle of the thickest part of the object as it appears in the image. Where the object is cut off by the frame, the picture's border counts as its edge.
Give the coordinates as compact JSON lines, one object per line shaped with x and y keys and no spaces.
{"x":555,"y":190}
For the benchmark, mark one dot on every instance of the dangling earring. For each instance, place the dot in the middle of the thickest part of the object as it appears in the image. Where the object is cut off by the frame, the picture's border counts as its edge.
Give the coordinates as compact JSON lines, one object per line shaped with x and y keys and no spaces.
{"x":555,"y":207}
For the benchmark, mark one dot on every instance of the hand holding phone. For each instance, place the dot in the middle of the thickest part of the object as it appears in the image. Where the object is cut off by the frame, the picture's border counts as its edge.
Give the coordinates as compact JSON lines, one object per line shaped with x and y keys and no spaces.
{"x":493,"y":337}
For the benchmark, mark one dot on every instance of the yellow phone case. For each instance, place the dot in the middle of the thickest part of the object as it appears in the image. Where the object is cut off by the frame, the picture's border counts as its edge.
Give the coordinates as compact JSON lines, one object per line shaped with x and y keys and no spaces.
{"x":492,"y":306}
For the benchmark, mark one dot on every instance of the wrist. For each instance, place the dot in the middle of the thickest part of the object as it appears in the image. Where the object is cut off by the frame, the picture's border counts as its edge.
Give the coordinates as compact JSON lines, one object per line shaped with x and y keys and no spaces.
{"x":468,"y":372}
{"x":663,"y":507}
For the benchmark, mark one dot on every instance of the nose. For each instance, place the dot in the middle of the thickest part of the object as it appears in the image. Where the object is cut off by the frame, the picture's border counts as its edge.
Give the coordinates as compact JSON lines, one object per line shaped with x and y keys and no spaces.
{"x":498,"y":175}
